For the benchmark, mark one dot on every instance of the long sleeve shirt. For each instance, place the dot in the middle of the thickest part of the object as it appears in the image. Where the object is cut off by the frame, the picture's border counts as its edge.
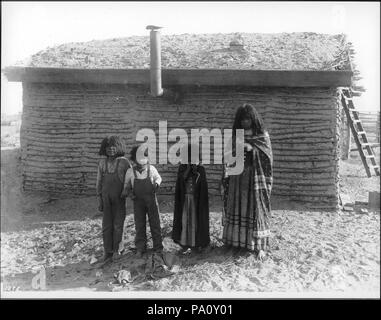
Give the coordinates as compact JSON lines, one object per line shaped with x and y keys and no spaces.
{"x":154,"y":176}
{"x":124,"y":164}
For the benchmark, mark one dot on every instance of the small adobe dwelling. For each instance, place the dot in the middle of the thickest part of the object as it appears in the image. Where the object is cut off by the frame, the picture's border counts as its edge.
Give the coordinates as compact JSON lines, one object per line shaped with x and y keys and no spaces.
{"x":77,"y":93}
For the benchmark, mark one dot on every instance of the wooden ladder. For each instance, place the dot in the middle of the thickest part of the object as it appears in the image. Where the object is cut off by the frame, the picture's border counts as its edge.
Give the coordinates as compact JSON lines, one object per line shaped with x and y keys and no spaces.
{"x":359,"y":135}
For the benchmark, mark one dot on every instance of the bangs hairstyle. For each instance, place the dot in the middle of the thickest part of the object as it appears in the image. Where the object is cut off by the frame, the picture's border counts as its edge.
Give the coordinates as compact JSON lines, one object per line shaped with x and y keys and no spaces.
{"x":133,"y":152}
{"x":112,"y":141}
{"x":248,"y":111}
{"x":189,"y":148}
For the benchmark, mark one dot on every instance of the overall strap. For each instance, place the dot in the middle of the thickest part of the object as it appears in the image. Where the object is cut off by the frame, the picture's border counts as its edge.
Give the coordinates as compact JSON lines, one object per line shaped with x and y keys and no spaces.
{"x":134,"y":171}
{"x":106,"y":168}
{"x":149,"y":172}
{"x":117,"y":164}
{"x":148,"y":169}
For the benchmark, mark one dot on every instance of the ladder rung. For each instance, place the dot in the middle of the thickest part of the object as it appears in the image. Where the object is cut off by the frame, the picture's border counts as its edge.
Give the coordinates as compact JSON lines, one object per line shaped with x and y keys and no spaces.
{"x":357,"y":130}
{"x":366,"y":145}
{"x":356,"y":93}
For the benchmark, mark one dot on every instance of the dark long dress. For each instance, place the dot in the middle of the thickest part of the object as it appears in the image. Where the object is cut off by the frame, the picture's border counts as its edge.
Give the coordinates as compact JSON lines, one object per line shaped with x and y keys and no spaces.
{"x":194,"y":207}
{"x":247,"y":198}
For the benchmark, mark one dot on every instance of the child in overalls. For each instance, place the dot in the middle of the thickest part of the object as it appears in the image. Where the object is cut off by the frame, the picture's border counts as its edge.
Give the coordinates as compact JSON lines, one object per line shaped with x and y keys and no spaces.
{"x":109,"y":186}
{"x":141,"y":184}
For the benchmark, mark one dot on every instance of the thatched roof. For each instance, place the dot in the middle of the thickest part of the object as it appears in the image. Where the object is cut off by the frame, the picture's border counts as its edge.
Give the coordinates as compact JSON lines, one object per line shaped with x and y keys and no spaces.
{"x":253,"y":51}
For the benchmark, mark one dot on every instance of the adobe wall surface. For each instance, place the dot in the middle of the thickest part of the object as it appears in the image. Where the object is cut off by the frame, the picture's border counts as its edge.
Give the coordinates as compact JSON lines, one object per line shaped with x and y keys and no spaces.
{"x":63,"y":125}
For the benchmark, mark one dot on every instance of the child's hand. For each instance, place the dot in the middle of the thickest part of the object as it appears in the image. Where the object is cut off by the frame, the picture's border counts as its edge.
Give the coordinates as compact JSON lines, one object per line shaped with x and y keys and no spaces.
{"x":156,"y":187}
{"x":222,"y":189}
{"x":124,"y":194}
{"x":248,"y":147}
{"x":100,"y":204}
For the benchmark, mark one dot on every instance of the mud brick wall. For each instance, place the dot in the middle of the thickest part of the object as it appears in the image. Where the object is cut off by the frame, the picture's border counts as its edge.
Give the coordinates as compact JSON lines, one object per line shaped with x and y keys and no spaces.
{"x":63,"y":125}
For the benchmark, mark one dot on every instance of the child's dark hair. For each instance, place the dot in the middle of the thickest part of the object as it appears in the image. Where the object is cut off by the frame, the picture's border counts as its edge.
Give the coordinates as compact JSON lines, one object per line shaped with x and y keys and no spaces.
{"x":133,"y":152}
{"x":110,"y":141}
{"x":192,"y":148}
{"x":248,"y":111}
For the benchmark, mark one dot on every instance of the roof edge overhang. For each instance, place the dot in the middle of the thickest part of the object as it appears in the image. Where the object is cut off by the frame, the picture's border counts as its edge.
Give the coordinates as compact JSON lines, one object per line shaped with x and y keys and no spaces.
{"x":175,"y":77}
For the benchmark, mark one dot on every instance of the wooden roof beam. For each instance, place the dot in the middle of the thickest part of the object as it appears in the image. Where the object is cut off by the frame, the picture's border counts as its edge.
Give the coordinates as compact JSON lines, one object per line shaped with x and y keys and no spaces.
{"x":198,"y":77}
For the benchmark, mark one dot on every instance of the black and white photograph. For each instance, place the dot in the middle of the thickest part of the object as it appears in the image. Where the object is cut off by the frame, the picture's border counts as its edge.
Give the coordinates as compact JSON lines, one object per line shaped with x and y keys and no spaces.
{"x":190,"y":150}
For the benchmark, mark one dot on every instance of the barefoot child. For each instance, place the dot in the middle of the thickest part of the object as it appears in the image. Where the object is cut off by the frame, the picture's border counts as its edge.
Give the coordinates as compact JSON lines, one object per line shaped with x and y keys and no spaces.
{"x":109,"y":186}
{"x":141,"y":183}
{"x":191,"y":213}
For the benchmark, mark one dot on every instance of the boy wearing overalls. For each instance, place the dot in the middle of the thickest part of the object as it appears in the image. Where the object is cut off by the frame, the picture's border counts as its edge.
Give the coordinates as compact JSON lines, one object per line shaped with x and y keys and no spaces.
{"x":141,"y":183}
{"x":109,"y":186}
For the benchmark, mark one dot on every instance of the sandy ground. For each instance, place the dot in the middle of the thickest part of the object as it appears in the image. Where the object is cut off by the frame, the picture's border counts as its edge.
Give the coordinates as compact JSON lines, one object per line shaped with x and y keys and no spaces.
{"x":10,"y":135}
{"x":311,"y":251}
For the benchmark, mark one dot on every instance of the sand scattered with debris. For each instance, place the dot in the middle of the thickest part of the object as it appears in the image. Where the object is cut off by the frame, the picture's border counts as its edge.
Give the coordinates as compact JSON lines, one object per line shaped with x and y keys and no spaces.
{"x":311,"y":251}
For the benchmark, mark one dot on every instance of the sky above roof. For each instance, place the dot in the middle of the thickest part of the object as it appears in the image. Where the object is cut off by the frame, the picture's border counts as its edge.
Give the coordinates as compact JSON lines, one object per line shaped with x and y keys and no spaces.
{"x":28,"y":27}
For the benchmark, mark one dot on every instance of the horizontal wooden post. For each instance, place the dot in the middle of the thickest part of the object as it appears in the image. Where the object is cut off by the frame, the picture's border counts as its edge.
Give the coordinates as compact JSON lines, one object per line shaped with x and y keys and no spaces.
{"x":173,"y":77}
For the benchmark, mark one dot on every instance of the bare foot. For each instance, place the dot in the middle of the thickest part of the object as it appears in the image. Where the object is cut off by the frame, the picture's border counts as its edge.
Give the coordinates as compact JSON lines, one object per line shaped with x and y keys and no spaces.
{"x":116,"y":256}
{"x":261,"y":255}
{"x":139,"y":254}
{"x":107,"y":259}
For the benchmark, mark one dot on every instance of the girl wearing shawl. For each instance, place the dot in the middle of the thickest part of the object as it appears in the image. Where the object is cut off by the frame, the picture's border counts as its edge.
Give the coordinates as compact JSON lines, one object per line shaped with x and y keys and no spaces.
{"x":247,"y":195}
{"x":191,"y":212}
